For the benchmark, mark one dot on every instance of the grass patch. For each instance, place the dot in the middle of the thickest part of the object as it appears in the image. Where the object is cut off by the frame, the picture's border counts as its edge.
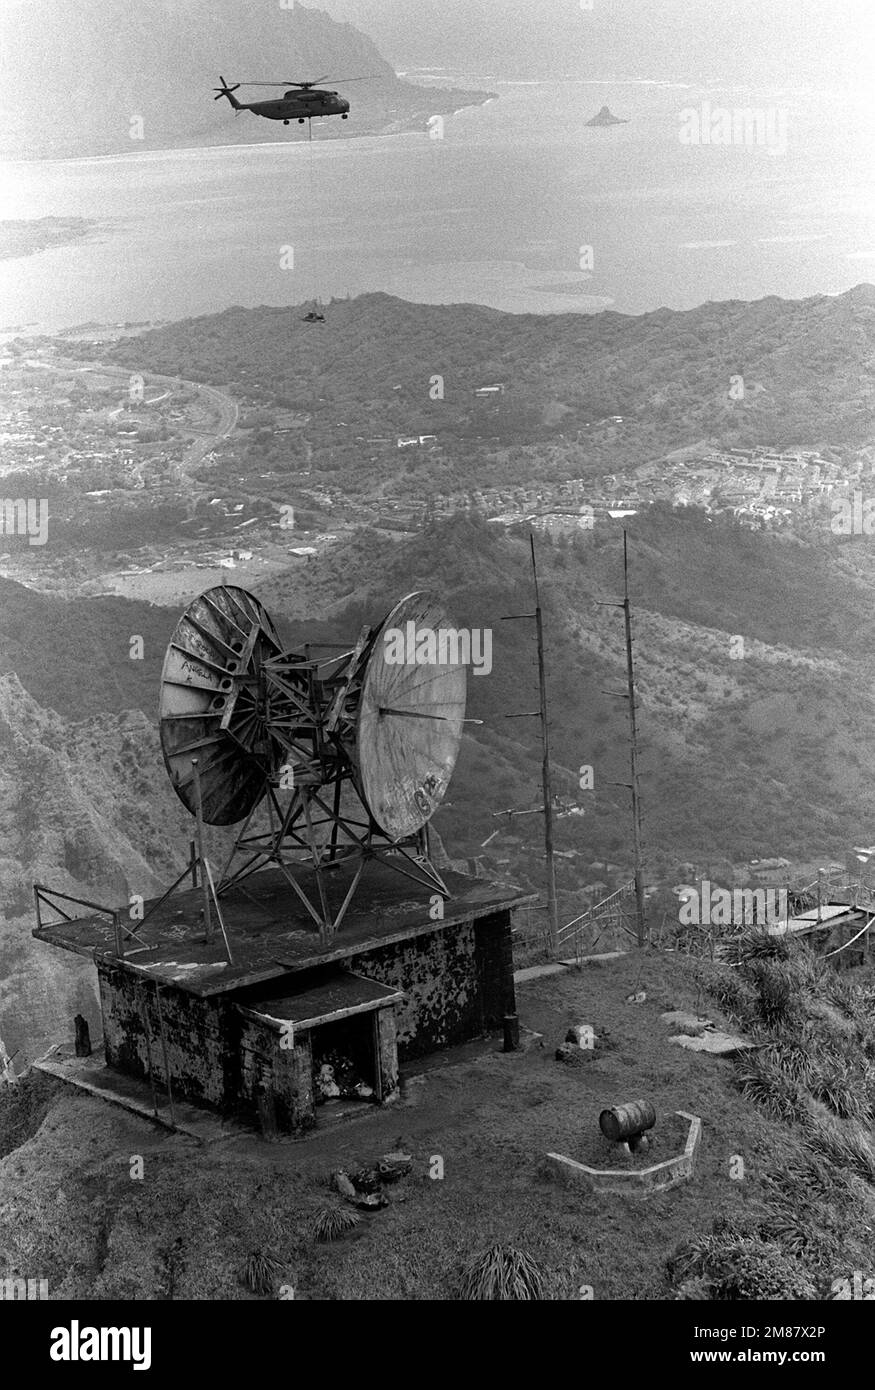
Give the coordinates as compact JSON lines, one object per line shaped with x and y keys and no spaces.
{"x":502,"y":1273}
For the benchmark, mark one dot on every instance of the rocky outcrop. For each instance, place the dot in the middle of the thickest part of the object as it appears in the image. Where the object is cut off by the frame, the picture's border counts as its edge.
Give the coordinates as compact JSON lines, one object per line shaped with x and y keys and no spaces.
{"x":606,"y":117}
{"x":85,"y":808}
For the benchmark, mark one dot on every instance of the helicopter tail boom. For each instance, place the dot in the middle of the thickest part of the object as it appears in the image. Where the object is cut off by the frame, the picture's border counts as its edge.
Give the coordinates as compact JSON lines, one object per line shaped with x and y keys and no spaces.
{"x":226,"y":91}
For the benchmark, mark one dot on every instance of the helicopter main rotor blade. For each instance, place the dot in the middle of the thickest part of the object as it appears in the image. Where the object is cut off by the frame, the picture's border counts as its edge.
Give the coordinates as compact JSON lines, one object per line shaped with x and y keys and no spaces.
{"x":288,"y":82}
{"x":305,"y":86}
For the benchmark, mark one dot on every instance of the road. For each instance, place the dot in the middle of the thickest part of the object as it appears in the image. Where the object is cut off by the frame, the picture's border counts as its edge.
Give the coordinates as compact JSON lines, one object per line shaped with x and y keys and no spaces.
{"x":227,"y":408}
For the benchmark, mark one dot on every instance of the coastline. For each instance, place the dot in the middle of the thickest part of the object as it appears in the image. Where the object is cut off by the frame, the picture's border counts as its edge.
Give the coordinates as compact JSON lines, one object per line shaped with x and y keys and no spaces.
{"x":414,"y":122}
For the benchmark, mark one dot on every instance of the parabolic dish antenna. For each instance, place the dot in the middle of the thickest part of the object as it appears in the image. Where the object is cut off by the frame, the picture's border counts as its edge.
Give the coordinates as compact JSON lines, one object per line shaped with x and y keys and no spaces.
{"x":411,"y":716}
{"x":210,"y":707}
{"x":384,"y":721}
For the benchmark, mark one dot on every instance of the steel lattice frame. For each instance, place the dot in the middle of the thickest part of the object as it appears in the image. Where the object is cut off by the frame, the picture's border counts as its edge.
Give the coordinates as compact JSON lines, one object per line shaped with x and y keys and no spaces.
{"x":263,"y":721}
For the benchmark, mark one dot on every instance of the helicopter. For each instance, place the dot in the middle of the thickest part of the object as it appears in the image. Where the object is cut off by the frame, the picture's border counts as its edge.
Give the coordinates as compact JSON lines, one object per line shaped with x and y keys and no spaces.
{"x":301,"y":102}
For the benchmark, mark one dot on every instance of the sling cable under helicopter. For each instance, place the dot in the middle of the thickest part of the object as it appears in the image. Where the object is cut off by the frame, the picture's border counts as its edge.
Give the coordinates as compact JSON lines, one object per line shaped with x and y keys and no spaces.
{"x":301,"y":101}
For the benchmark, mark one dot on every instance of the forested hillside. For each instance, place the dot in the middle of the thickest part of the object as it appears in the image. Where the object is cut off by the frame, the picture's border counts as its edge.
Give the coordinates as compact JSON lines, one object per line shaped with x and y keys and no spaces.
{"x":806,"y":366}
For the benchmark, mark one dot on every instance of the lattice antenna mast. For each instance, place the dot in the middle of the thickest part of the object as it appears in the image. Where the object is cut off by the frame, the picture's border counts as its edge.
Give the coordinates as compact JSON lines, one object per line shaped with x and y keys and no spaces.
{"x":633,"y":733}
{"x":546,"y":778}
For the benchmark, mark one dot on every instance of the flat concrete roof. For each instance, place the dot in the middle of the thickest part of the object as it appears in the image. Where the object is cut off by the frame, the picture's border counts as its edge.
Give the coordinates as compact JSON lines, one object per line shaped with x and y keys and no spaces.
{"x":270,"y":932}
{"x":339,"y":995}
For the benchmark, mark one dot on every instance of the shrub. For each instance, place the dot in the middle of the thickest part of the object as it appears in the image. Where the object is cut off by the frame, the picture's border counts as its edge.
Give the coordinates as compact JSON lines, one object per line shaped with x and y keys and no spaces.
{"x":735,"y":1262}
{"x":846,"y":1147}
{"x":842,"y":1087}
{"x":502,"y":1273}
{"x":262,"y":1272}
{"x":756,"y":944}
{"x":793,"y":1059}
{"x":751,"y":1270}
{"x":809,"y":970}
{"x":774,"y":987}
{"x":333,"y":1222}
{"x":690,"y":1258}
{"x":730,"y":990}
{"x":844,"y":995}
{"x":814,"y":1233}
{"x":808,"y":1172}
{"x":698,"y":1289}
{"x":762,"y":1080}
{"x":865,"y":1038}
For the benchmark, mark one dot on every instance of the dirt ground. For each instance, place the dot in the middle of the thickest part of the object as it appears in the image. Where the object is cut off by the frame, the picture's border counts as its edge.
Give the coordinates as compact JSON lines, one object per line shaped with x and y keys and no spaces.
{"x":478,"y":1124}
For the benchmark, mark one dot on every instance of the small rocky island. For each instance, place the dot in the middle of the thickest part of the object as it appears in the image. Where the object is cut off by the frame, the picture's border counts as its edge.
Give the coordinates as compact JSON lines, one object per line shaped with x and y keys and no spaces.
{"x":606,"y":117}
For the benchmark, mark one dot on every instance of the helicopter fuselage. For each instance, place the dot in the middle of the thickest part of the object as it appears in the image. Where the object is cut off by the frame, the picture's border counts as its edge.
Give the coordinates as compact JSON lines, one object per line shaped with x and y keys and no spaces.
{"x":297,"y":106}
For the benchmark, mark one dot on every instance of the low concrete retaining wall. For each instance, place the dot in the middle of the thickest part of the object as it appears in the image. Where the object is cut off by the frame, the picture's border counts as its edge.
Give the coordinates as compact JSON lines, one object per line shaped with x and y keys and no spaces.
{"x":653,"y":1179}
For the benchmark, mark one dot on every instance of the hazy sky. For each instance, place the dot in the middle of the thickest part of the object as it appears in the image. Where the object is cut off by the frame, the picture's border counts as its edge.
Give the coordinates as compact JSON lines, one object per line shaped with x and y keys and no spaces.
{"x":830,"y":42}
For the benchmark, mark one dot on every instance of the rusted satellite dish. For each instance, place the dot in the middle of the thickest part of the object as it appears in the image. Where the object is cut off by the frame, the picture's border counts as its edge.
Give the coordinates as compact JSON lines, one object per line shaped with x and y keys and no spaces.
{"x":217,"y":651}
{"x":411,"y":715}
{"x":384,"y":719}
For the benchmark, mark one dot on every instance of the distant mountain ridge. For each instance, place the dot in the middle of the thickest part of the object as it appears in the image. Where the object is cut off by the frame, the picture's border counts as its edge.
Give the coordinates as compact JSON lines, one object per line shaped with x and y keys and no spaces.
{"x":808,"y":365}
{"x":783,"y":41}
{"x":122,"y":78}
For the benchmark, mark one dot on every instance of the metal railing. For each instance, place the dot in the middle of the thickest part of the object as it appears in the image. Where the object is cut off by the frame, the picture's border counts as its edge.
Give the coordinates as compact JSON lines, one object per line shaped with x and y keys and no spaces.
{"x":44,"y":898}
{"x":609,"y":911}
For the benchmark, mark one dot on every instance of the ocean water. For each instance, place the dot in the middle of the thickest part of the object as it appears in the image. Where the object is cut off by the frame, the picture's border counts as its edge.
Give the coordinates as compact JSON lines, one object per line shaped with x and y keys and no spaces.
{"x":495,"y":212}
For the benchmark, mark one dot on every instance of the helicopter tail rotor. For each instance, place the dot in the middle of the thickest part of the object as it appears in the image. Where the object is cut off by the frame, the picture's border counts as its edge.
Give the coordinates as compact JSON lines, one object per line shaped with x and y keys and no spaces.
{"x":226,"y":91}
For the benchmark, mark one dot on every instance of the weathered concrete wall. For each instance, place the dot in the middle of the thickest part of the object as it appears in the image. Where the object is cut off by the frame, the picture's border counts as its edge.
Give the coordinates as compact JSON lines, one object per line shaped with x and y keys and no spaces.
{"x":387,"y":1052}
{"x":284,"y":1074}
{"x":458,"y":982}
{"x":198,"y":1035}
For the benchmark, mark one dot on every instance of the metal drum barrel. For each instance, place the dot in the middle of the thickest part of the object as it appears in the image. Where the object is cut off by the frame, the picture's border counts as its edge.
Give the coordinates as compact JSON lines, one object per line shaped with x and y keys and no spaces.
{"x":625,"y":1121}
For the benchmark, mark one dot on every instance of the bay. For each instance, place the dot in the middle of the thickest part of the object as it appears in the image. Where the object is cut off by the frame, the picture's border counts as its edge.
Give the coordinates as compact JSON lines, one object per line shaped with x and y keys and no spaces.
{"x":499,"y":211}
